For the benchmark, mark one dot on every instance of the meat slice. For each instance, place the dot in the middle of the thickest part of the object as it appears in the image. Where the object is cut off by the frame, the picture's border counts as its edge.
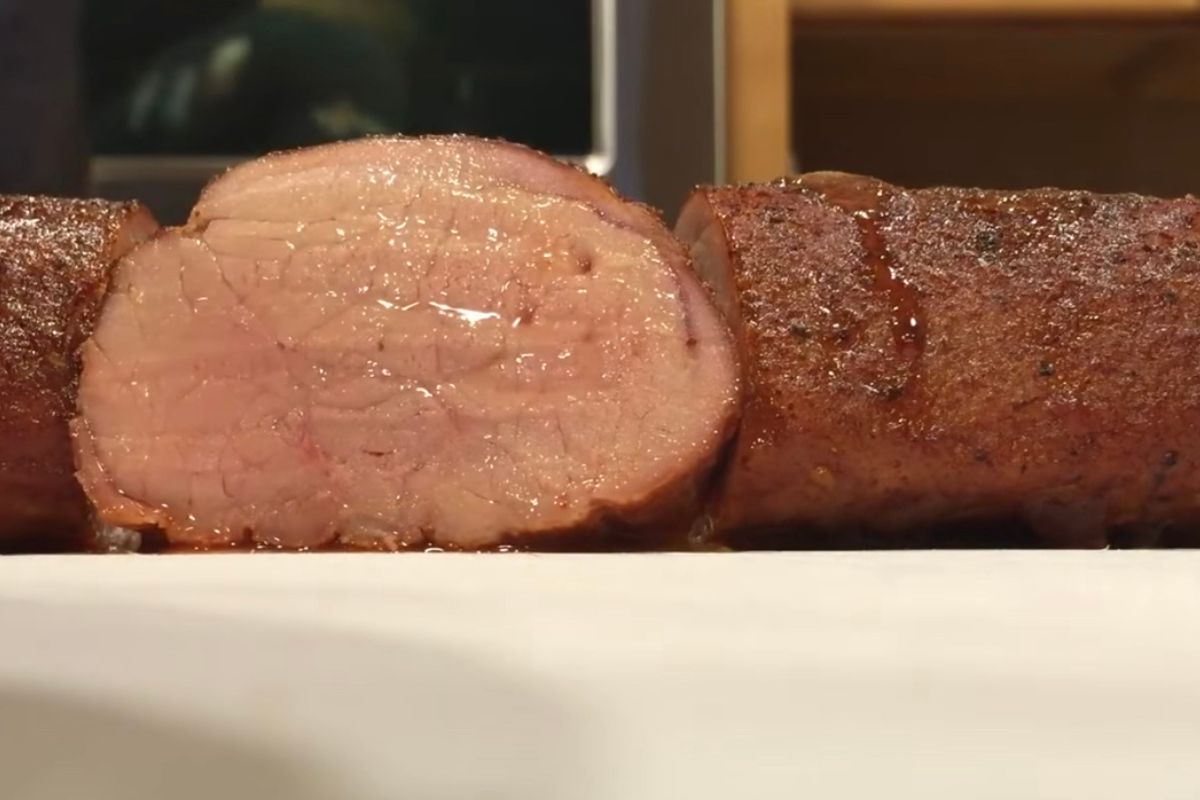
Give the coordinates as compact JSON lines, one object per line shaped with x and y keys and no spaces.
{"x":403,"y":342}
{"x":55,"y":259}
{"x":937,"y":365}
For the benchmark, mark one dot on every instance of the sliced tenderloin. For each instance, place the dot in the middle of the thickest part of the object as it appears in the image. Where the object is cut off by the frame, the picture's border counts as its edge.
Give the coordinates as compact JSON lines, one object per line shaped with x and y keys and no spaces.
{"x":406,"y":342}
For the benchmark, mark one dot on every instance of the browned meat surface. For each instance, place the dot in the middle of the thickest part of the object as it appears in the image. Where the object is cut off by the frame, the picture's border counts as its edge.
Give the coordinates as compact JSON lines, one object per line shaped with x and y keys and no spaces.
{"x":401,"y":343}
{"x":55,"y":259}
{"x":945,"y":361}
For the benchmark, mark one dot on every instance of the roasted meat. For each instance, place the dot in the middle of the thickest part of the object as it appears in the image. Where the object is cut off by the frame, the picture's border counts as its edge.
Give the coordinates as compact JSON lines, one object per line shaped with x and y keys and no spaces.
{"x":55,"y":260}
{"x":406,"y":342}
{"x":939,"y":365}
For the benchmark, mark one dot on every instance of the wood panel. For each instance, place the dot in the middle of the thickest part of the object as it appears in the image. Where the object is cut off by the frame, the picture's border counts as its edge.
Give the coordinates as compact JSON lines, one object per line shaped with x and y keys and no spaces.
{"x":1109,"y":107}
{"x":978,"y":61}
{"x":883,"y":8}
{"x":757,"y":87}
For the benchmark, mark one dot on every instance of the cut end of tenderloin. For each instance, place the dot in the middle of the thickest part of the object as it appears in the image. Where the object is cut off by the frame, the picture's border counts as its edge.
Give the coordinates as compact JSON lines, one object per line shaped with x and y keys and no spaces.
{"x":403,"y":342}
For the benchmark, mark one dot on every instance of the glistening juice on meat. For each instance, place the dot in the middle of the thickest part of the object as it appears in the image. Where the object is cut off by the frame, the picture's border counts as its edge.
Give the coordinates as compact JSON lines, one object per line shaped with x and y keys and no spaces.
{"x":403,"y":342}
{"x":956,"y":366}
{"x":451,"y":343}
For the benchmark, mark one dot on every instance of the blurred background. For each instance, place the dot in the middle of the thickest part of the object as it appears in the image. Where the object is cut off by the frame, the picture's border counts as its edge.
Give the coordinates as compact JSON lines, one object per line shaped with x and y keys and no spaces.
{"x":149,"y":98}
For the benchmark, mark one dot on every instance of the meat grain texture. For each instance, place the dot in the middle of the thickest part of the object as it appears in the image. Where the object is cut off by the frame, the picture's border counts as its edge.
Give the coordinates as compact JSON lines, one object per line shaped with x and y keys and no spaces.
{"x":955,"y":365}
{"x":398,"y":343}
{"x":55,"y":259}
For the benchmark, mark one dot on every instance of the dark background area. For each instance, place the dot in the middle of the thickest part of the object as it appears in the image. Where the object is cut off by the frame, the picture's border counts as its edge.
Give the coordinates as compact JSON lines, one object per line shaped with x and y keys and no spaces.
{"x":235,"y":77}
{"x":43,"y":148}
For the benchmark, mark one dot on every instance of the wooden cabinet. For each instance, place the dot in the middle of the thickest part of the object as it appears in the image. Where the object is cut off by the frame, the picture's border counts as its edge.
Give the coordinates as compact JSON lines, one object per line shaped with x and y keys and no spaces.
{"x":1101,"y":94}
{"x":757,"y":89}
{"x":1090,"y":8}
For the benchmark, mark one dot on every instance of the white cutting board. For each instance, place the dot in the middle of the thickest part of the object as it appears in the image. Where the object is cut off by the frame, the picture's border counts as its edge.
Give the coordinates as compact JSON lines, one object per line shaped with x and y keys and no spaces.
{"x":923,"y":675}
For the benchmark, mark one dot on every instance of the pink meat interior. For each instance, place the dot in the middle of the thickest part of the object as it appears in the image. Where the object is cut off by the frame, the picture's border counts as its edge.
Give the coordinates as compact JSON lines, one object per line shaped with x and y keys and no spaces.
{"x":395,"y":342}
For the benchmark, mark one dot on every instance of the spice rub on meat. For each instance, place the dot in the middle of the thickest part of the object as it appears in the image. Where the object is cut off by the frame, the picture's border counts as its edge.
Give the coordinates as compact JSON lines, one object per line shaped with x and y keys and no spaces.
{"x":924,"y":365}
{"x":55,"y":259}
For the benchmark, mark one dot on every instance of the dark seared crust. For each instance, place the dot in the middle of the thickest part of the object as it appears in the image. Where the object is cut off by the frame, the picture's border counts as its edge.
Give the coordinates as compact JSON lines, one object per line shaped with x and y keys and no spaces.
{"x":958,"y":365}
{"x":55,"y":258}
